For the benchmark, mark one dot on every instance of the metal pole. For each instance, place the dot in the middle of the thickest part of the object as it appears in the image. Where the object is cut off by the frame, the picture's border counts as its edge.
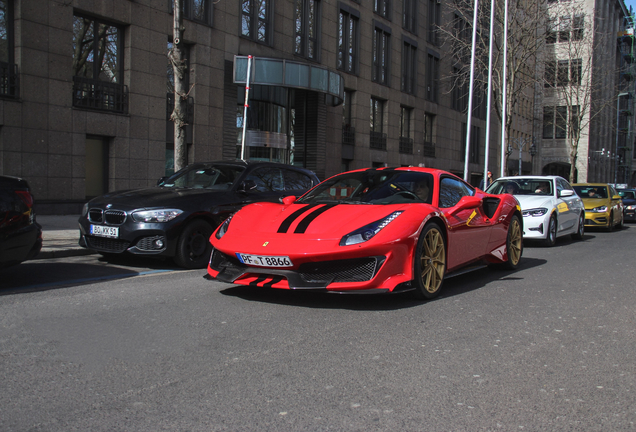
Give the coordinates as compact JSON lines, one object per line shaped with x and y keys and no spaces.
{"x":618,"y":100}
{"x":246,"y":105}
{"x":486,"y":156}
{"x":470,"y":91}
{"x":504,"y":97}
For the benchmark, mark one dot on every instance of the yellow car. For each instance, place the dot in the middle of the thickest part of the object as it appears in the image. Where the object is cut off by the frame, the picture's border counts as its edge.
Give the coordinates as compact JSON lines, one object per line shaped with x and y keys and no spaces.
{"x":603,"y":205}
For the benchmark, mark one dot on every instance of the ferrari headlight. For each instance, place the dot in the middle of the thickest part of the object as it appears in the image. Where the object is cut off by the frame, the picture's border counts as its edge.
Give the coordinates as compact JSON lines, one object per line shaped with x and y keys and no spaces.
{"x":367,"y":232}
{"x":601,"y":209}
{"x":223,"y":228}
{"x":535,"y":212}
{"x":154,"y":216}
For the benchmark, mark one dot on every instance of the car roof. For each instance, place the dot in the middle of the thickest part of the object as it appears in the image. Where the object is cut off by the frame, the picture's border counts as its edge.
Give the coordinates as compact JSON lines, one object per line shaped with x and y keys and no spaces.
{"x":591,"y":184}
{"x":532,"y":177}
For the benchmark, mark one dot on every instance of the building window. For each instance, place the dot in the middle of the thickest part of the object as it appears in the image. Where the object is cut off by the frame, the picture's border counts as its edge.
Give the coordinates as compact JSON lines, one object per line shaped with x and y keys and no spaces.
{"x":197,"y":10}
{"x":429,"y":142}
{"x":562,"y":73}
{"x":409,"y":16}
{"x":382,"y":8}
{"x":381,"y":49}
{"x":348,"y":131}
{"x":409,"y":67}
{"x":550,"y":31}
{"x":98,"y":65}
{"x":578,"y":27}
{"x":348,"y":35}
{"x":8,"y":69}
{"x":307,"y":25}
{"x":406,"y":142}
{"x":256,"y":19}
{"x":377,"y":135}
{"x":557,"y":124}
{"x":434,"y":14}
{"x":565,"y":28}
{"x":432,"y":76}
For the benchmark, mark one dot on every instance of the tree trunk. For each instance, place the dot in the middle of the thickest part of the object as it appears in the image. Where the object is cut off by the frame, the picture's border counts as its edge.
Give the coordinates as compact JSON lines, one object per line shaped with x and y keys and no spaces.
{"x":180,"y":92}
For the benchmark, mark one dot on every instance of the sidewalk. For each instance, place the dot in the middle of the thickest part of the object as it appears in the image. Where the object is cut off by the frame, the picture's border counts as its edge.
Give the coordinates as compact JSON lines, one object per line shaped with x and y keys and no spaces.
{"x":60,"y":235}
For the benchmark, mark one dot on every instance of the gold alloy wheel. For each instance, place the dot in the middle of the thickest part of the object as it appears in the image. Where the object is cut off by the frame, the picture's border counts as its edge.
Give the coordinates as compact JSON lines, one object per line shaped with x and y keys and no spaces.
{"x":515,"y":241}
{"x":433,"y":260}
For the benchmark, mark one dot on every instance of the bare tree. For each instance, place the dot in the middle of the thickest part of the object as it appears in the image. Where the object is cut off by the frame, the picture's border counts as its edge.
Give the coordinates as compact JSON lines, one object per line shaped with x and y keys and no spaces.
{"x":176,"y":55}
{"x":524,"y":46}
{"x":579,"y":80}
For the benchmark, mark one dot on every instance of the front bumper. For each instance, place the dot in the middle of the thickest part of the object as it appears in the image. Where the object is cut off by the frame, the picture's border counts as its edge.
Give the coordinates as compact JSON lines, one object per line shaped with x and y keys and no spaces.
{"x":630,"y":215}
{"x":135,"y":238}
{"x":596,"y":219}
{"x":535,"y":227}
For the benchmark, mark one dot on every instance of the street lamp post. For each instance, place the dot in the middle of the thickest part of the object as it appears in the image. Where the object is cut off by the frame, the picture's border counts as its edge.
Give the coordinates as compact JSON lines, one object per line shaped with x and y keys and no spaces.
{"x":533,"y":153}
{"x":618,"y":100}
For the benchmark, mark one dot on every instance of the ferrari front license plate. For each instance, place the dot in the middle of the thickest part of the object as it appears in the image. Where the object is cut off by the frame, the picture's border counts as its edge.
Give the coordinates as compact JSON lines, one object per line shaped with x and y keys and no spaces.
{"x":264,"y":261}
{"x":102,"y":231}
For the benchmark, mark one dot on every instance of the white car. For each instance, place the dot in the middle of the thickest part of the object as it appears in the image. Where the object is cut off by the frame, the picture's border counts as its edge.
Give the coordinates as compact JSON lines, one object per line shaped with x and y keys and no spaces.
{"x":550,"y":206}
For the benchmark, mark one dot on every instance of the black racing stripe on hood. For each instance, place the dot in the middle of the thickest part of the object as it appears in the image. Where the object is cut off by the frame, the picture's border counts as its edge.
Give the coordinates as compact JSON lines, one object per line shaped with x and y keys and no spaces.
{"x":292,"y":217}
{"x":302,"y":226}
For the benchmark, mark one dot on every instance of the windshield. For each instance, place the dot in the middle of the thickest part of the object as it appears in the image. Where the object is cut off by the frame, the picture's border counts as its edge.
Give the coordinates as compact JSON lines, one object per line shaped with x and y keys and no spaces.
{"x":591,"y":191}
{"x":627,"y":194}
{"x":373,"y":187}
{"x":521,"y":186}
{"x":215,"y":177}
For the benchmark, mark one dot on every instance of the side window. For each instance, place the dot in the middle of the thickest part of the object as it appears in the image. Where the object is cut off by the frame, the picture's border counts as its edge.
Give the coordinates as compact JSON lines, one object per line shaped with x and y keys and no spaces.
{"x":451,"y":190}
{"x":267,"y":179}
{"x":295,"y":180}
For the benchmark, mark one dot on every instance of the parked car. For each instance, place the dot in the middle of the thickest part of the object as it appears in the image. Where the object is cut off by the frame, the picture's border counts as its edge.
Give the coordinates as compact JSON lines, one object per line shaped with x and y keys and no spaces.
{"x":550,"y":206}
{"x":20,"y":234}
{"x":603,"y":205}
{"x":372,"y":230}
{"x":176,"y":217}
{"x":629,"y":203}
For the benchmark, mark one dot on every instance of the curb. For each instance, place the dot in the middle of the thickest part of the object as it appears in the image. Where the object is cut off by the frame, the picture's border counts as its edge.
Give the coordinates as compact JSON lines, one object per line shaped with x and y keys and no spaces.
{"x":62,"y":253}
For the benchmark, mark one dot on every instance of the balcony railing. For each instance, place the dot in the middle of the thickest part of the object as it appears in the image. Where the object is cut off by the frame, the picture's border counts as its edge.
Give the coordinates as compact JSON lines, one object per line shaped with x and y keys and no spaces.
{"x":9,"y":80}
{"x":377,"y":140}
{"x":429,"y":149}
{"x":100,"y":95}
{"x":349,"y":136}
{"x":406,"y":145}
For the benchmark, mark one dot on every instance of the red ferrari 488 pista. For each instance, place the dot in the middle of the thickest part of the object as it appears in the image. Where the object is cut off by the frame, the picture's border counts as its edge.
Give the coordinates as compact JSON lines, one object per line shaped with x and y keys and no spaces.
{"x":369,"y":230}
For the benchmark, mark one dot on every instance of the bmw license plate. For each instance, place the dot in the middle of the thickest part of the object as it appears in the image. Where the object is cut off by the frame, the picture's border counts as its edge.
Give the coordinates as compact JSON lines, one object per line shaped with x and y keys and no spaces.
{"x":264,"y":261}
{"x":103,"y":231}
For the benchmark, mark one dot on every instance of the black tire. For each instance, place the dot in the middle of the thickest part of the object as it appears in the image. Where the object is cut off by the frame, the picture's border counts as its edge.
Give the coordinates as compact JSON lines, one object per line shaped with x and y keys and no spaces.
{"x":429,"y":266}
{"x":550,"y":237}
{"x":580,"y":232}
{"x":193,"y":247}
{"x":514,"y":244}
{"x":610,"y":227}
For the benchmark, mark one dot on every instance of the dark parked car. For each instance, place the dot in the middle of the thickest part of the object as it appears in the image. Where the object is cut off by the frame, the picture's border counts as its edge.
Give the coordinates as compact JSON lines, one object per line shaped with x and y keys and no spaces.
{"x":177,"y":217}
{"x":20,"y":234}
{"x":629,"y":201}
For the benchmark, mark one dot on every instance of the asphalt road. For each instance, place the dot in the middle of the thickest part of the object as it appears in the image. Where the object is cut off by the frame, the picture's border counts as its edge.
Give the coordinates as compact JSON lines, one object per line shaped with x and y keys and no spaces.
{"x":94,"y":346}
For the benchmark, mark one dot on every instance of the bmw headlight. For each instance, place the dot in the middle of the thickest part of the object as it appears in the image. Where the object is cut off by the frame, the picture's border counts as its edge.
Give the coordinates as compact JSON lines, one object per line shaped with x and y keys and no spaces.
{"x":631,"y":207}
{"x":535,"y":212}
{"x":601,"y":209}
{"x":367,"y":232}
{"x":223,"y":228}
{"x":85,"y":209}
{"x":154,"y":216}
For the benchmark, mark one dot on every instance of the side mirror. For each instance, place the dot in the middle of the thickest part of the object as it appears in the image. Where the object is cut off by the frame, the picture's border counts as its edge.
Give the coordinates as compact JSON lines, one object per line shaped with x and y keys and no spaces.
{"x":566,"y":193}
{"x":247,"y":185}
{"x":161,"y":180}
{"x":616,"y":197}
{"x":289,"y":200}
{"x":466,"y":203}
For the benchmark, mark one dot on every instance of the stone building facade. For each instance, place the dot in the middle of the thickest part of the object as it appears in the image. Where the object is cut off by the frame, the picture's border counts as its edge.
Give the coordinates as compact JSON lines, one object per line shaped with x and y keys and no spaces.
{"x":84,"y":100}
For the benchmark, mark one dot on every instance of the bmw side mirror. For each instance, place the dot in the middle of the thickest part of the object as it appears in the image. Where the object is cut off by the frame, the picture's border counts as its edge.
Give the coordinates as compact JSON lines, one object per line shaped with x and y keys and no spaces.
{"x":161,"y":180}
{"x":566,"y":193}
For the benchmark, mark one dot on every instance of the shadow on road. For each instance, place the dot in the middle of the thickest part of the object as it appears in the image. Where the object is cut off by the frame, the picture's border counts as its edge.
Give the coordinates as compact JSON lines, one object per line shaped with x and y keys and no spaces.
{"x":380,"y":302}
{"x":42,"y":275}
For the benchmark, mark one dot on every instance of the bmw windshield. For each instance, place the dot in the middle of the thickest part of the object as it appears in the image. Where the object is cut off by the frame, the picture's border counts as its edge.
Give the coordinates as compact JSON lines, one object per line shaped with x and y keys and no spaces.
{"x":205,"y":176}
{"x":373,"y":187}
